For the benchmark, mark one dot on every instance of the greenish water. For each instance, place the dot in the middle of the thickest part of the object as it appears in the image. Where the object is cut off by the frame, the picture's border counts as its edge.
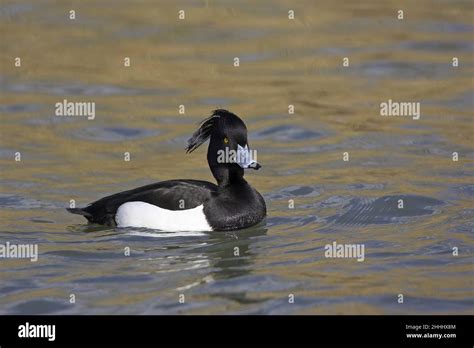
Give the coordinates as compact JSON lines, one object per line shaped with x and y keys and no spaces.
{"x":313,"y":197}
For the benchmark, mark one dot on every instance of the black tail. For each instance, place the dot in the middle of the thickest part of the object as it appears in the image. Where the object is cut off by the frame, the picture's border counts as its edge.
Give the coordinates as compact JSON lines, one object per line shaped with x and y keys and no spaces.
{"x":80,"y":211}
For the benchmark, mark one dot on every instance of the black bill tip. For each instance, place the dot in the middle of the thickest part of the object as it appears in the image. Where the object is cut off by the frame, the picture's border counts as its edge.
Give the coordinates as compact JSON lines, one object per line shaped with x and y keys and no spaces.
{"x":255,"y":166}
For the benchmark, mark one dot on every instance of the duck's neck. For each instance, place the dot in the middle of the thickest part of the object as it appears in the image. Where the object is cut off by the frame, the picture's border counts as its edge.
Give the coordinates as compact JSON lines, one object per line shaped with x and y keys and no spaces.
{"x":227,"y":176}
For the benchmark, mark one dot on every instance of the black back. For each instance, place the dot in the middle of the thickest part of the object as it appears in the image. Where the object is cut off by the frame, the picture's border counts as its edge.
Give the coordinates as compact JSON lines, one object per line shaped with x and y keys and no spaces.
{"x":171,"y":195}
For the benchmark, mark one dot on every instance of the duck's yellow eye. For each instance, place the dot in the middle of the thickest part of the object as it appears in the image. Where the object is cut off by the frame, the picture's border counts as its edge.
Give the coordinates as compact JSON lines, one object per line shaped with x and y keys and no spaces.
{"x":226,"y":140}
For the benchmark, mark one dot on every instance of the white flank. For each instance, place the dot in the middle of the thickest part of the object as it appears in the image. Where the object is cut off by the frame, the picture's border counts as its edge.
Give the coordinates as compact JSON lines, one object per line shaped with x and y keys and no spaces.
{"x":167,"y":234}
{"x":141,"y":214}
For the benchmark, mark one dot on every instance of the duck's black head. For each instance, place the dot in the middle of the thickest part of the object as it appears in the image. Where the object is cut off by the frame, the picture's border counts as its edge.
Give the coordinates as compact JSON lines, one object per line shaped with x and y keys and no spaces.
{"x":228,"y":153}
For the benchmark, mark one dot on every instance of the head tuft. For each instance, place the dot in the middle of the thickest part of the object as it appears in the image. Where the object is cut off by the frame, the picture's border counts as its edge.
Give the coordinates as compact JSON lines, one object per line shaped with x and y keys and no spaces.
{"x":203,"y":133}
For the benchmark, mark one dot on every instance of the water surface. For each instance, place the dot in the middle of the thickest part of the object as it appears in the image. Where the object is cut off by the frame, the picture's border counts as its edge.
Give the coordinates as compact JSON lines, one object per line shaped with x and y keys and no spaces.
{"x":313,"y":197}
